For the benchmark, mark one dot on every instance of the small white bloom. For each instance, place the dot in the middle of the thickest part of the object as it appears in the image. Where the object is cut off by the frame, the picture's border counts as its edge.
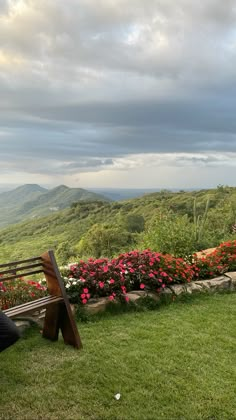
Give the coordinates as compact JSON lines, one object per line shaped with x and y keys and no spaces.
{"x":74,"y":283}
{"x":117,"y":396}
{"x":67,"y":286}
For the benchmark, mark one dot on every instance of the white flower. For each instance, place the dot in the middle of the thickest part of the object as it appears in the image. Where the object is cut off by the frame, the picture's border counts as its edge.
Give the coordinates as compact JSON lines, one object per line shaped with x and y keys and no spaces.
{"x":117,"y":396}
{"x":74,"y":283}
{"x":67,"y":286}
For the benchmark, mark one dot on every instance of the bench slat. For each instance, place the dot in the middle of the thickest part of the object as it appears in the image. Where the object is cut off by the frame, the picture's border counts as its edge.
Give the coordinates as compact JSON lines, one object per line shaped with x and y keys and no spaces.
{"x":23,"y":267}
{"x":20,"y":262}
{"x":33,"y":305}
{"x":28,"y":273}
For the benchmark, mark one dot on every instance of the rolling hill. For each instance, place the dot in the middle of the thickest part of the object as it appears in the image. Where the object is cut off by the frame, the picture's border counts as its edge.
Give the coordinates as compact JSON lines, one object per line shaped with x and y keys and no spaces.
{"x":65,"y":228}
{"x":31,"y":200}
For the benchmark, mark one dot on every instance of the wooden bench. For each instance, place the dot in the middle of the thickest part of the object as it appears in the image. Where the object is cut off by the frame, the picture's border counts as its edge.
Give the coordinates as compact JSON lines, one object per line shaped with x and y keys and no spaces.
{"x":58,"y":314}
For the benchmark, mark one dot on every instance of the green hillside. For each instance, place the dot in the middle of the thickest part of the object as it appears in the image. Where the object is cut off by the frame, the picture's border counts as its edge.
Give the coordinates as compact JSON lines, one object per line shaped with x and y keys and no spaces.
{"x":97,"y":228}
{"x":31,"y":200}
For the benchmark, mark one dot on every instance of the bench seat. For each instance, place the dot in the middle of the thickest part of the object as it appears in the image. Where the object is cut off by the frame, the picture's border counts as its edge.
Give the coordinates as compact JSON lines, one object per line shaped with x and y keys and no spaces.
{"x":32,"y":306}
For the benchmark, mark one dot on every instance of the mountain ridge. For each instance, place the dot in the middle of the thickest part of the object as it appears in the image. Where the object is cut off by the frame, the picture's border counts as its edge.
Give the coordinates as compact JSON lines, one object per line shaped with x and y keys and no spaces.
{"x":32,"y":200}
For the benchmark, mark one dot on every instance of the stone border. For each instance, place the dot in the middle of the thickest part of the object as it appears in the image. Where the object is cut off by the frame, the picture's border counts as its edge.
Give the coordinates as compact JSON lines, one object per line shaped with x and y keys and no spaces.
{"x":226,"y":282}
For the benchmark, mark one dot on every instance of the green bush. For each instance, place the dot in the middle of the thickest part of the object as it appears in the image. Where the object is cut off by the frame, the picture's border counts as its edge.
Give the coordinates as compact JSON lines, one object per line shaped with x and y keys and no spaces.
{"x":170,"y":234}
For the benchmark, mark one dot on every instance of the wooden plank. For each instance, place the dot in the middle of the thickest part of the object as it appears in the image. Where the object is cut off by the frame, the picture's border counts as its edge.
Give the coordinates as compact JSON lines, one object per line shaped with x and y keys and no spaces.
{"x":20,"y":262}
{"x":32,"y":306}
{"x":23,"y":267}
{"x":30,"y":273}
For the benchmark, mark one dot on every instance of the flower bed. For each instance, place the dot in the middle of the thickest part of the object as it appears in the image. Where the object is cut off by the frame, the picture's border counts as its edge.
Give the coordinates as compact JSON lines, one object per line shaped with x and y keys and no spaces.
{"x":145,"y":270}
{"x":15,"y":292}
{"x":136,"y":270}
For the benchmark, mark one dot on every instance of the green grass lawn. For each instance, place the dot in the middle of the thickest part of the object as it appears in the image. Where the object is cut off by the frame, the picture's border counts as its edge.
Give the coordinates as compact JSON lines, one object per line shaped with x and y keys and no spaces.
{"x":175,"y":363}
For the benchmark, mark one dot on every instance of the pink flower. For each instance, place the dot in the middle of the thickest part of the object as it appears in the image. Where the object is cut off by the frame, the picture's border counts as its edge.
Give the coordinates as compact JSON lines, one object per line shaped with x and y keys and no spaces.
{"x":127,"y":298}
{"x":84,"y":301}
{"x":112,"y":281}
{"x":85,"y":290}
{"x":88,"y":295}
{"x":83,"y":296}
{"x":111,"y":297}
{"x":101,"y":284}
{"x":142,"y":286}
{"x":151,"y":275}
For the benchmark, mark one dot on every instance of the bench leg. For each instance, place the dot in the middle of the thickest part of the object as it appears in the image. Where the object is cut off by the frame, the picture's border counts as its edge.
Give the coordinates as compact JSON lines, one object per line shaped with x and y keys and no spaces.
{"x":52,"y":322}
{"x":68,"y":327}
{"x":59,"y":316}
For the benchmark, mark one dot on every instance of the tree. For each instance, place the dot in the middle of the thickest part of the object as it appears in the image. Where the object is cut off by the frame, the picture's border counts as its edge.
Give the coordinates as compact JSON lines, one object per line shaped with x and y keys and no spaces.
{"x":103,"y":240}
{"x":64,"y":252}
{"x":134,"y":223}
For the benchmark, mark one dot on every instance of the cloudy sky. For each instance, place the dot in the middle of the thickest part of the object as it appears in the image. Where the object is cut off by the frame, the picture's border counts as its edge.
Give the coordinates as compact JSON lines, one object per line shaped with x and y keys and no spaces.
{"x":118,"y":93}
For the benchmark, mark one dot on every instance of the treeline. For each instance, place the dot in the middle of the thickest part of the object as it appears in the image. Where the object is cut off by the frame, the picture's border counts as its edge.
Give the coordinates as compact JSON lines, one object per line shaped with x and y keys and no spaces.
{"x":177,"y":223}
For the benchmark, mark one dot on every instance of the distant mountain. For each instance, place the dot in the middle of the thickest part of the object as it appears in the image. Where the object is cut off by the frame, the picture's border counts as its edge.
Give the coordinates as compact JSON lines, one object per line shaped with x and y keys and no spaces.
{"x":32,"y":200}
{"x":20,"y":194}
{"x":118,"y":194}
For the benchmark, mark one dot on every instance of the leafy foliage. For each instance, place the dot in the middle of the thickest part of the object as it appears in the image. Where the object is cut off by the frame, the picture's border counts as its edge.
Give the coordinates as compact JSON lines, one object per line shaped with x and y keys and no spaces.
{"x":171,"y":234}
{"x":73,"y":231}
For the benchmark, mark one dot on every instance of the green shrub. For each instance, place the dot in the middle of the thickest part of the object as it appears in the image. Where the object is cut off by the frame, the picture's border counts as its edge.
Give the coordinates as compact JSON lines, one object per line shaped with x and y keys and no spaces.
{"x":170,"y":234}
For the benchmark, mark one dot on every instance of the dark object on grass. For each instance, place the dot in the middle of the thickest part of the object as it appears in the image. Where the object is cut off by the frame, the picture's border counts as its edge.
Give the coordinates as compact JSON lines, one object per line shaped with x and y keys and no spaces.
{"x":9,"y":333}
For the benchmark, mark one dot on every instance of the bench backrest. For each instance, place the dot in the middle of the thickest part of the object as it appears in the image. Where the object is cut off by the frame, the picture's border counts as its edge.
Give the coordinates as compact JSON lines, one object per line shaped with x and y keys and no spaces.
{"x":59,"y":314}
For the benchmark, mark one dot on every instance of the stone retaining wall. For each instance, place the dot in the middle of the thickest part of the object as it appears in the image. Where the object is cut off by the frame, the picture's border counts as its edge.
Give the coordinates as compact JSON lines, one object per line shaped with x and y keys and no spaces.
{"x":226,"y":282}
{"x":222,"y":283}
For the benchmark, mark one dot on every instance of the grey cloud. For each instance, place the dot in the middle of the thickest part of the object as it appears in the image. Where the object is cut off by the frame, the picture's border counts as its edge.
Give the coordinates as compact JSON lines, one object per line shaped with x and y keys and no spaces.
{"x":84,"y":83}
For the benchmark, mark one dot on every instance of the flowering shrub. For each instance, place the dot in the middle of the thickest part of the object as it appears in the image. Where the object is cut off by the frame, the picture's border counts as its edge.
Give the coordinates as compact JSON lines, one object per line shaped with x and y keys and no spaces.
{"x":130,"y":271}
{"x":221,"y":260}
{"x":15,"y":292}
